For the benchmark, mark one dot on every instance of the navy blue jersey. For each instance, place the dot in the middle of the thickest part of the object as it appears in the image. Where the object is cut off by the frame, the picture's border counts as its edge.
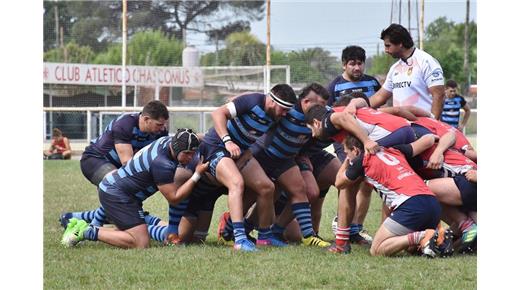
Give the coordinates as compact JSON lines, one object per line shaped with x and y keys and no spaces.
{"x":289,"y":136}
{"x":315,"y":145}
{"x":340,"y":87}
{"x":451,"y":110}
{"x":123,"y":130}
{"x":152,"y":166}
{"x":251,"y":121}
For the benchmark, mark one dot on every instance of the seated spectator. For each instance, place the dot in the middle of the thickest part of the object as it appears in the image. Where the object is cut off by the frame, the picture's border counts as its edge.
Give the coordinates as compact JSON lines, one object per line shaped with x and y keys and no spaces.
{"x":60,"y":146}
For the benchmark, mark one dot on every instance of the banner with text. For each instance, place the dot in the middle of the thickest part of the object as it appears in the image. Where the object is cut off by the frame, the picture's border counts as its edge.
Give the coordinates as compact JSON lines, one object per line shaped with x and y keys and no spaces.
{"x":94,"y":74}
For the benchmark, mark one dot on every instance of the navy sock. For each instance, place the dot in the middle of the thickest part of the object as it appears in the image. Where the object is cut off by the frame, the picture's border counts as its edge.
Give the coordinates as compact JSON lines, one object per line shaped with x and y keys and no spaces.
{"x":151,"y":220}
{"x":302,"y":212}
{"x":157,"y":233}
{"x":277,"y":230}
{"x":175,"y":213}
{"x":355,"y":228}
{"x":91,"y":233}
{"x":264,"y":234}
{"x":87,"y":216}
{"x":100,"y":217}
{"x":239,"y":232}
{"x":228,"y":229}
{"x":248,"y":226}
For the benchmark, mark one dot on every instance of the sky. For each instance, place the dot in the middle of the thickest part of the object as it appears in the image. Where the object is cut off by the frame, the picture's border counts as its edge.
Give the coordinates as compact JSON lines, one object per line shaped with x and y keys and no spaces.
{"x":333,"y":25}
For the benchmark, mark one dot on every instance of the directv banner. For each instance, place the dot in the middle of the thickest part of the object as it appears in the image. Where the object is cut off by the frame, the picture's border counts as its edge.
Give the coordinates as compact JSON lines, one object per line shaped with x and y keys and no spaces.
{"x":92,"y":74}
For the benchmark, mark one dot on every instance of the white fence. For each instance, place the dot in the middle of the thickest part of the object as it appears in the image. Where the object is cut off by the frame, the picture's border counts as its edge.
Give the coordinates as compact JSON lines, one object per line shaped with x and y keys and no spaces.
{"x":87,"y":123}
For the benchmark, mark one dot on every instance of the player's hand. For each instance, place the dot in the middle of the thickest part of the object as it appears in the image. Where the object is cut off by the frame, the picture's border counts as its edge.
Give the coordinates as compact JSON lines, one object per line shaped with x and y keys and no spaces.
{"x":351,"y":109}
{"x":242,"y":161}
{"x":471,"y":175}
{"x":201,"y":167}
{"x":371,"y":146}
{"x":233,"y":149}
{"x":173,"y":240}
{"x":435,"y":161}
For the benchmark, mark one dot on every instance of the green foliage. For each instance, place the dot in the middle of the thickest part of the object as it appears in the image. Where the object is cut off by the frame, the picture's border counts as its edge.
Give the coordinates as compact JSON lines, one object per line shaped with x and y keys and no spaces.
{"x":95,"y":265}
{"x":71,"y":53}
{"x":243,"y":48}
{"x":152,"y":48}
{"x":380,"y":64}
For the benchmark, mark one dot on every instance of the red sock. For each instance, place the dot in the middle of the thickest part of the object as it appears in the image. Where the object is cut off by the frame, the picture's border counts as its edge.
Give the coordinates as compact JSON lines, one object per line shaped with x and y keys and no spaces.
{"x":465,"y":224}
{"x":342,"y":236}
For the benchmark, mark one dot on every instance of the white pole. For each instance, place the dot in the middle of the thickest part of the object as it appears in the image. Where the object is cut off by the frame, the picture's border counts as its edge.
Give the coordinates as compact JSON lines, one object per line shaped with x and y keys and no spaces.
{"x":268,"y":47}
{"x":123,"y":57}
{"x":89,"y":126}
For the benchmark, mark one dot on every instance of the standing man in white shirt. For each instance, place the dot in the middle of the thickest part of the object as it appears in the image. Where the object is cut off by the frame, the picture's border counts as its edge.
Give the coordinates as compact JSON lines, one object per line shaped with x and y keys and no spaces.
{"x":416,"y":79}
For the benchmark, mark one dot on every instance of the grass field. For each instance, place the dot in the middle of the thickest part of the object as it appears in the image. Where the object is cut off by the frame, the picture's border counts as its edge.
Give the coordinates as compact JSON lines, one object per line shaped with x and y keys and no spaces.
{"x":94,"y":265}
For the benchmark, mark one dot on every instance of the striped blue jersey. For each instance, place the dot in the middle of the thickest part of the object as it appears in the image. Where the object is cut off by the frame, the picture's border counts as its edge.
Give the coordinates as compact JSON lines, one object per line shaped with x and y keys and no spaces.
{"x":152,"y":166}
{"x":289,"y":135}
{"x":451,"y":110}
{"x":123,"y":130}
{"x":251,"y":121}
{"x":341,"y":87}
{"x":315,"y":145}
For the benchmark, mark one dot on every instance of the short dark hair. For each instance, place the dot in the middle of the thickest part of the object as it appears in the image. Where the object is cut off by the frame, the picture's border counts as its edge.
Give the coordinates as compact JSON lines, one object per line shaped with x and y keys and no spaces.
{"x":317,"y":88}
{"x":316,"y":111}
{"x":284,"y":92}
{"x":452,"y":84}
{"x":344,"y":101}
{"x":156,"y":110}
{"x":352,"y":142}
{"x":353,"y":52}
{"x":397,"y":34}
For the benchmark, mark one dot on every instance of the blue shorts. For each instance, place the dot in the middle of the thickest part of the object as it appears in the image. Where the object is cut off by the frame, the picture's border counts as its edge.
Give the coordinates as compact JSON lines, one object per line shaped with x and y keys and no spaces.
{"x":273,"y":167}
{"x":468,"y":192}
{"x":417,"y":213}
{"x":213,"y":154}
{"x":122,"y":210}
{"x":203,"y":197}
{"x":320,"y":161}
{"x":403,"y":135}
{"x":95,"y":168}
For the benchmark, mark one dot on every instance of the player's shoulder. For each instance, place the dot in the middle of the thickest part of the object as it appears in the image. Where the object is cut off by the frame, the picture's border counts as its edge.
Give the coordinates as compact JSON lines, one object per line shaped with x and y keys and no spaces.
{"x":425,"y":58}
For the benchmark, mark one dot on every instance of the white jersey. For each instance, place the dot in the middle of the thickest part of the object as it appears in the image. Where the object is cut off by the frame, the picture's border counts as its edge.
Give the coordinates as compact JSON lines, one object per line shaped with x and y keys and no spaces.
{"x":409,"y":81}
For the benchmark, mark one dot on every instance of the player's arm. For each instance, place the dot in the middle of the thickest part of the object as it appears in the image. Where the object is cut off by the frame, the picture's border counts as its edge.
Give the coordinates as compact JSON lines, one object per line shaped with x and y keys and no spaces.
{"x":380,"y":98}
{"x":220,"y":117}
{"x":418,"y":112}
{"x":437,"y":93}
{"x":471,"y":175}
{"x":348,"y":175}
{"x":175,"y":193}
{"x":446,"y":141}
{"x":399,"y":111}
{"x":124,"y":151}
{"x":67,"y":144}
{"x":346,"y":121}
{"x":467,"y":113}
{"x":422,"y":144}
{"x":355,"y":104}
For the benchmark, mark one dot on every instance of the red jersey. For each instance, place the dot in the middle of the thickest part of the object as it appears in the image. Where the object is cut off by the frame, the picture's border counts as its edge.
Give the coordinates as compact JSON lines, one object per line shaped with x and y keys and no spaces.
{"x":376,"y":124}
{"x":60,"y":143}
{"x":440,"y":128}
{"x":392,"y":177}
{"x":455,"y":163}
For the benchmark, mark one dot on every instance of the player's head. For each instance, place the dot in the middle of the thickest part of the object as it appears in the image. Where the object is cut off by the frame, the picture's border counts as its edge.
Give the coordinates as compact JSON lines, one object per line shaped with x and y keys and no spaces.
{"x":314,"y":118}
{"x":353,"y":146}
{"x":280,"y":100}
{"x":353,"y":58}
{"x":344,"y":101}
{"x":184,"y":144}
{"x":313,"y":94}
{"x":154,"y":116}
{"x":396,"y":39}
{"x":451,"y":88}
{"x":56,"y":133}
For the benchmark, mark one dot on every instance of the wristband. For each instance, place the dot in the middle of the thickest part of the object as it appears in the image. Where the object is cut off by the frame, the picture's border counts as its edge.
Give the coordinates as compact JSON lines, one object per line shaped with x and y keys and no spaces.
{"x":195,"y":177}
{"x":226,"y":139}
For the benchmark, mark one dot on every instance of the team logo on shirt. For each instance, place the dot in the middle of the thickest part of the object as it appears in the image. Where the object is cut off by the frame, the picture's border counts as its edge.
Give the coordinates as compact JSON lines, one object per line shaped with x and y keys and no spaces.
{"x":410,"y":70}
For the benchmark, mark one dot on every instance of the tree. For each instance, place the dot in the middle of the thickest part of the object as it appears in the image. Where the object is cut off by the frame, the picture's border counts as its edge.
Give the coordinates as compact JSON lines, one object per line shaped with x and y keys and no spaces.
{"x":311,"y":65}
{"x":152,"y":48}
{"x":220,"y":34}
{"x":98,"y":23}
{"x":71,"y":53}
{"x":50,"y":37}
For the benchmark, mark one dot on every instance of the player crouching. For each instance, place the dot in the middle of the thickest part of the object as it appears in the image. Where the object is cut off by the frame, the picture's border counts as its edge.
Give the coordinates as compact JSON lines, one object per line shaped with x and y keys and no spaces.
{"x":412,"y":211}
